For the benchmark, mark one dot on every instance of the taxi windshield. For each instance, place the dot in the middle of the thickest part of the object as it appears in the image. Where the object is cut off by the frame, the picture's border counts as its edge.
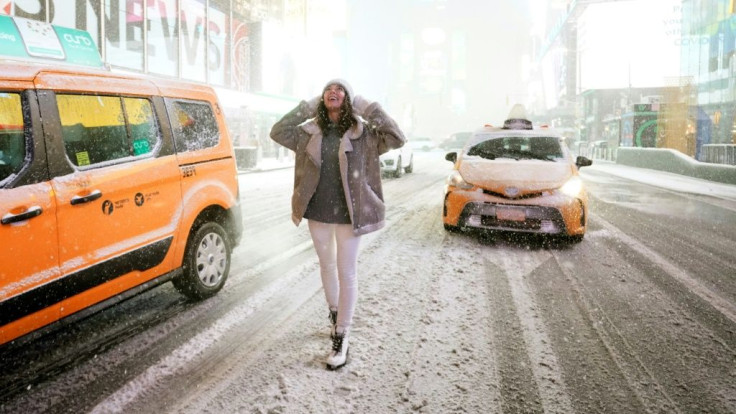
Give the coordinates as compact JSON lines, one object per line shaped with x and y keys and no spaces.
{"x":518,"y":147}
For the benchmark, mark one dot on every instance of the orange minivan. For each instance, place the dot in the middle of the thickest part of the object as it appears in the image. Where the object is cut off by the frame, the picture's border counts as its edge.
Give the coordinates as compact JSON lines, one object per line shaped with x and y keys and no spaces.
{"x":110,"y":184}
{"x":516,"y":178}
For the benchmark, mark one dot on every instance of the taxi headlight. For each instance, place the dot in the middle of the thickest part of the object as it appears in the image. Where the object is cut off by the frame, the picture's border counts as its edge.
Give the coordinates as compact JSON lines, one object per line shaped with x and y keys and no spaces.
{"x":456,"y":180}
{"x":572,"y":187}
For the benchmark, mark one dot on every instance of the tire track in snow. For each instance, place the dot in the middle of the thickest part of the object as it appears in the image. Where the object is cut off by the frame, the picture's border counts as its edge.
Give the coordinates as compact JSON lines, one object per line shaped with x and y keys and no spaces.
{"x":544,"y":366}
{"x":622,"y":354}
{"x":193,"y":350}
{"x":723,"y":306}
{"x":453,"y":368}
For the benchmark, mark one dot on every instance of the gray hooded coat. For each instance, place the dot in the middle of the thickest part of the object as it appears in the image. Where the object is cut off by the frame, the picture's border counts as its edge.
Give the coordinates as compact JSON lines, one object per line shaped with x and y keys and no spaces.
{"x":373,"y":134}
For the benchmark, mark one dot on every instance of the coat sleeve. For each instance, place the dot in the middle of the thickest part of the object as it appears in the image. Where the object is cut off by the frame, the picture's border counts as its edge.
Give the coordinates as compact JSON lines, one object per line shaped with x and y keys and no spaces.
{"x":286,"y":130}
{"x":384,"y":127}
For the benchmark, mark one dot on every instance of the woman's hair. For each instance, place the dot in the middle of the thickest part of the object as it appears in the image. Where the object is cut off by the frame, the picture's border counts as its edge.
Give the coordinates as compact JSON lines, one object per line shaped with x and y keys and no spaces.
{"x":346,"y":120}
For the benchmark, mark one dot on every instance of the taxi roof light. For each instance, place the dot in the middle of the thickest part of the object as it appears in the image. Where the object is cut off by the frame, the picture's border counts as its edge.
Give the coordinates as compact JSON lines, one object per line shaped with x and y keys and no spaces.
{"x":517,"y":118}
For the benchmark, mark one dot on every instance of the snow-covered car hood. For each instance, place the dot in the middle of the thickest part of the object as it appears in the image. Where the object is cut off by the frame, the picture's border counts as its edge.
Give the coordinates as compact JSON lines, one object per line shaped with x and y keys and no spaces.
{"x":527,"y":176}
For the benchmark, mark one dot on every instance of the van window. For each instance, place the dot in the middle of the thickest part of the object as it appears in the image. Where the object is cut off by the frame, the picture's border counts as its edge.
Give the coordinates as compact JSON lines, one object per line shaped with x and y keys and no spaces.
{"x":12,"y":142}
{"x":99,"y":129}
{"x":194,"y":125}
{"x":142,"y":124}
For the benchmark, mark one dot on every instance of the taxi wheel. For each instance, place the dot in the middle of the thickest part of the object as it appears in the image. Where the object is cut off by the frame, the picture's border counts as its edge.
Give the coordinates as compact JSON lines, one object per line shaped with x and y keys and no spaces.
{"x":451,"y":229}
{"x":410,"y":168}
{"x":576,"y":238}
{"x":206,"y":262}
{"x":399,"y":168}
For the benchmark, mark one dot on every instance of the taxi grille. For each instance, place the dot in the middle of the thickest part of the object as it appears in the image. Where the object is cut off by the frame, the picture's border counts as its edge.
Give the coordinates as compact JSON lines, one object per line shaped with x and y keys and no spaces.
{"x":520,"y":197}
{"x":537,"y":219}
{"x":528,"y":224}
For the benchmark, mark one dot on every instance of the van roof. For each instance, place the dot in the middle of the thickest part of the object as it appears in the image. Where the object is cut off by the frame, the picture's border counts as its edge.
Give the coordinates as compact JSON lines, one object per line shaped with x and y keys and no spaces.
{"x":20,"y":70}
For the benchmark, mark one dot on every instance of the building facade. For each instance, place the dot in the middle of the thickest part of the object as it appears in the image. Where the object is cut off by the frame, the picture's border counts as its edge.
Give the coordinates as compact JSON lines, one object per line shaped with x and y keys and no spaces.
{"x":709,"y":60}
{"x":674,"y":59}
{"x":247,"y":50}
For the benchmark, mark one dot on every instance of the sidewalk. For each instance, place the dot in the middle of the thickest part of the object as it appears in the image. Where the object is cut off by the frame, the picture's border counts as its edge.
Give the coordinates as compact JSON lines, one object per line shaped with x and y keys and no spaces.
{"x":268,"y":164}
{"x":666,"y":180}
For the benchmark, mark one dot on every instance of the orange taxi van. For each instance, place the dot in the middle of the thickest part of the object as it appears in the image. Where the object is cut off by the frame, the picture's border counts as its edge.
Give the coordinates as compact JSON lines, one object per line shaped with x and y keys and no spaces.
{"x":110,"y":184}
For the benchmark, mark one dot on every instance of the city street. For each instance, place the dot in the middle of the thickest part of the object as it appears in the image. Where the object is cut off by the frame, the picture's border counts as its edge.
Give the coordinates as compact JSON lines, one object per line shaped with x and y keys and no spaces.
{"x":638,"y":317}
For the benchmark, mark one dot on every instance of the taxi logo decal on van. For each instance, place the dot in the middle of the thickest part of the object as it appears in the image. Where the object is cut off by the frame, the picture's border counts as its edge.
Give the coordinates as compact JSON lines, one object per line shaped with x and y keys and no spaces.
{"x":121,"y":203}
{"x":107,"y":207}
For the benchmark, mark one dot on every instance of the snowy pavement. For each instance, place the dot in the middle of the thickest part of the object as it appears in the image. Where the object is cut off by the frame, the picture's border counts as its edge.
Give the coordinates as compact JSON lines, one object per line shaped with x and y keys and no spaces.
{"x":639,"y":317}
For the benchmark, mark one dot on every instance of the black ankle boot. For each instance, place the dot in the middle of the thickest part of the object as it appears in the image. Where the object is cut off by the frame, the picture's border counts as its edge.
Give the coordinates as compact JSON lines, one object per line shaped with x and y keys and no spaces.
{"x":333,"y":322}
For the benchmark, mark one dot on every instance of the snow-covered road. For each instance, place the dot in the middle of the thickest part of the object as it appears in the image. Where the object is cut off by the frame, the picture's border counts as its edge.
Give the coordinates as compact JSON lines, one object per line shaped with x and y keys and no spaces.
{"x":639,"y":317}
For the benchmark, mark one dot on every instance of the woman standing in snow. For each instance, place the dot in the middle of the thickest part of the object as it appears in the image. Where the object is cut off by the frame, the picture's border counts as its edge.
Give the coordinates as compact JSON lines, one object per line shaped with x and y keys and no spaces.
{"x":337,"y":138}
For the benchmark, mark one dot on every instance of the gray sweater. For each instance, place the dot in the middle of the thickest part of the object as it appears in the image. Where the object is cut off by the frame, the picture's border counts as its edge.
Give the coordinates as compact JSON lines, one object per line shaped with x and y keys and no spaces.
{"x":328,"y":203}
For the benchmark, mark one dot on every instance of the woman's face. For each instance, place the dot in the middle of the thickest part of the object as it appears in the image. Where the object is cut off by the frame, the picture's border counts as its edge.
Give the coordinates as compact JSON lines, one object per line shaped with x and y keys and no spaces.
{"x":333,"y":96}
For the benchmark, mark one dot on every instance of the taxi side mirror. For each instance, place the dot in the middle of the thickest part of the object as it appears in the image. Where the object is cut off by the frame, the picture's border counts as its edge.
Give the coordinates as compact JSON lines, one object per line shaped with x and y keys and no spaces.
{"x":583,"y":161}
{"x":451,"y":156}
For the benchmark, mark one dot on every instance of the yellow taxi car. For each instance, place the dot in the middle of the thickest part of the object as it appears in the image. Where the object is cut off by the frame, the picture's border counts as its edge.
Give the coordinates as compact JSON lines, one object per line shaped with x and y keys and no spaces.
{"x":516,"y":178}
{"x":110,"y":184}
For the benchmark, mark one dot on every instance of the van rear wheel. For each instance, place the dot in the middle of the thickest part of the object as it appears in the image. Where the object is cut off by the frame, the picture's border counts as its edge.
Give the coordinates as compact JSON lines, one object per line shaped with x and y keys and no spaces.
{"x":206,"y":262}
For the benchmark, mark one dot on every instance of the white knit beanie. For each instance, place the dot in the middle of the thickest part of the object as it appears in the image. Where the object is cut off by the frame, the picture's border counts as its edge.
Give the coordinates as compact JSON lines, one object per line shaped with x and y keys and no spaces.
{"x":345,"y":85}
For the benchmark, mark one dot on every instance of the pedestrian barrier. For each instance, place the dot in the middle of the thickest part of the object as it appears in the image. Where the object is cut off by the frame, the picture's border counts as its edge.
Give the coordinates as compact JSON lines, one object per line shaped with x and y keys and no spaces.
{"x":669,"y":160}
{"x":719,"y":153}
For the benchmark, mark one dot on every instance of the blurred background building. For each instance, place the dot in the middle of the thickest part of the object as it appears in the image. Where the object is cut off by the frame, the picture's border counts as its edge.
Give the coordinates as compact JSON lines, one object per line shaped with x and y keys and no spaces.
{"x":640,"y":73}
{"x":438,"y":66}
{"x":248,"y":50}
{"x":608,"y":73}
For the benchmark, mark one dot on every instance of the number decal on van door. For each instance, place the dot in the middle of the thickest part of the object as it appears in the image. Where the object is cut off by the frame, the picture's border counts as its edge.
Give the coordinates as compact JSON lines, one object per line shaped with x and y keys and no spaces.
{"x":188,"y":171}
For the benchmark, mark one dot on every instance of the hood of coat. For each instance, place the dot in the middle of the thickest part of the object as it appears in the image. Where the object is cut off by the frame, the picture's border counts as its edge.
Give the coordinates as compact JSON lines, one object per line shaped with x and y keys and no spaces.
{"x":314,"y":146}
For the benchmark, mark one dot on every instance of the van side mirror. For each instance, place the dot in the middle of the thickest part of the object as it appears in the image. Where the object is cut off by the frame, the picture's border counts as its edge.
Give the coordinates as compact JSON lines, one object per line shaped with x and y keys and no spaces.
{"x":583,"y":161}
{"x":451,"y":156}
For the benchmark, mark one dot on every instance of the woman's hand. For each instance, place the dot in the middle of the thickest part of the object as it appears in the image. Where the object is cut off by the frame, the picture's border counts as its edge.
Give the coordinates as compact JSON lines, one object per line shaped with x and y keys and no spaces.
{"x":360,"y":104}
{"x":313,"y":104}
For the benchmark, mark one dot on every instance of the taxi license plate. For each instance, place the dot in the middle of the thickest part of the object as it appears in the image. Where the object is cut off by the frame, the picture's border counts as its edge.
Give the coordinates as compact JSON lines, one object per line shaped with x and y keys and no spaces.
{"x":510,"y":214}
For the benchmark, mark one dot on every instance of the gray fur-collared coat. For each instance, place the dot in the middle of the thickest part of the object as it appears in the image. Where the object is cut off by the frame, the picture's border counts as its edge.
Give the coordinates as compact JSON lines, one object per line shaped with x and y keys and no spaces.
{"x":373,"y":134}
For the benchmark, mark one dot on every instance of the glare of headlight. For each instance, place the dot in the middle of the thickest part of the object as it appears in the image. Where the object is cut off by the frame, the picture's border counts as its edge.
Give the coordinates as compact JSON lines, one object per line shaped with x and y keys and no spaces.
{"x":572,"y":187}
{"x":456,"y":180}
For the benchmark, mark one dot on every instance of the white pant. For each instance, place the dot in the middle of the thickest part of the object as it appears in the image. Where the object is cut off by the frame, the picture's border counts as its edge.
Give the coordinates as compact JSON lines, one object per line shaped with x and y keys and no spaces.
{"x":337,"y":250}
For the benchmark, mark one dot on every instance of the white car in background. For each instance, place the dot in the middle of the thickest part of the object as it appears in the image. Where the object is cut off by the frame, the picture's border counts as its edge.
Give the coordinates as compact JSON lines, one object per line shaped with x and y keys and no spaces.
{"x":397,"y":161}
{"x":421,"y":144}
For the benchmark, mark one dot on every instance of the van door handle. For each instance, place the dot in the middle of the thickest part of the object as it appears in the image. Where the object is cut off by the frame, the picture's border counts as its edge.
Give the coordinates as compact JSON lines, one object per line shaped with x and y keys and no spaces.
{"x":28,"y":214}
{"x":86,"y":199}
